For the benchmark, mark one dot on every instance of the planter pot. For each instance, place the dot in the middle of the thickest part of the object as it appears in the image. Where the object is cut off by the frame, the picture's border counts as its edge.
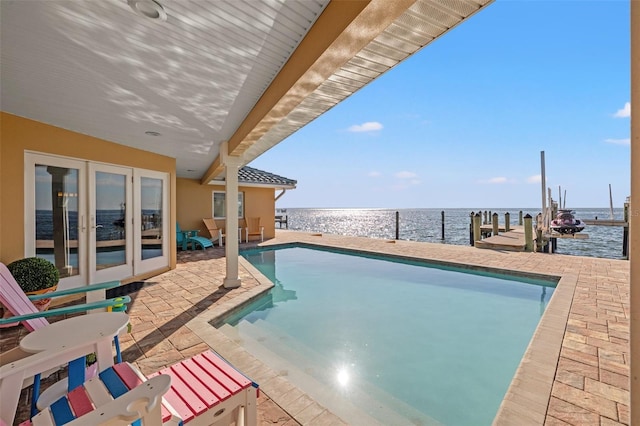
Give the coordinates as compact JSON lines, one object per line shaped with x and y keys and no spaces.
{"x":42,"y":305}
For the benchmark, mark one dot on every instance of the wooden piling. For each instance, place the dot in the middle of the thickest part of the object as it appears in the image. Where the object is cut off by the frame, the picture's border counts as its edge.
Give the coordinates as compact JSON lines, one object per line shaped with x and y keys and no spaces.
{"x":471,"y":215}
{"x":442,"y":224}
{"x":494,"y":223}
{"x":507,"y":222}
{"x":625,"y":242}
{"x":528,"y":233}
{"x":540,"y":247}
{"x":397,"y":225}
{"x":476,"y":228}
{"x":520,"y":218}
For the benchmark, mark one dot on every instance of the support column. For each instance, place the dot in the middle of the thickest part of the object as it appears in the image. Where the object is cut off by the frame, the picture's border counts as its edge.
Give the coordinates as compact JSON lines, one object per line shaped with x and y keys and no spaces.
{"x":634,"y":216}
{"x":232,"y":165}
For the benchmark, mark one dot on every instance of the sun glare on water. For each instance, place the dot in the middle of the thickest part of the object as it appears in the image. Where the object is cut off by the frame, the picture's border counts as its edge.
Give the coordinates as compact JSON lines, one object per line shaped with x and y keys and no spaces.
{"x":343,"y":377}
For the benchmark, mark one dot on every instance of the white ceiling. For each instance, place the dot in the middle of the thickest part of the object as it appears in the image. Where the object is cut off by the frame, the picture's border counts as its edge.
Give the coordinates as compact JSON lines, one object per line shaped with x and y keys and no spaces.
{"x":99,"y":68}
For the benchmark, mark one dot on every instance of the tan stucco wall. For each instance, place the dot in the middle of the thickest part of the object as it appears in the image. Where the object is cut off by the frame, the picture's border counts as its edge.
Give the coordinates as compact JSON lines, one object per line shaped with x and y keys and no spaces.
{"x":18,"y":135}
{"x":194,"y":202}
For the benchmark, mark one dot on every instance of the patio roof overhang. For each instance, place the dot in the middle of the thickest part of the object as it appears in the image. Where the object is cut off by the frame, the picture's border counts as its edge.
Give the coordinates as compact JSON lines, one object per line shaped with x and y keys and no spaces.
{"x":247,"y":73}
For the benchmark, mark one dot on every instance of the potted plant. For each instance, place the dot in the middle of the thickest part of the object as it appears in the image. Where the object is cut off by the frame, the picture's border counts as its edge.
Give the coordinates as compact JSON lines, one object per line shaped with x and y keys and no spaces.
{"x":35,"y":275}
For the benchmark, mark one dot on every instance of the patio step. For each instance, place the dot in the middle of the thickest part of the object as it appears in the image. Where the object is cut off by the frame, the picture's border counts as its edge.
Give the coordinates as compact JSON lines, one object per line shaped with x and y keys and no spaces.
{"x":317,"y":376}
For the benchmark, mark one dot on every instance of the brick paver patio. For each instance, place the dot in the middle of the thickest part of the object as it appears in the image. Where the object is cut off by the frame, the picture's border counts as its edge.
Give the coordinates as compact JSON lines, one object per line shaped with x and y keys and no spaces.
{"x":575,"y":371}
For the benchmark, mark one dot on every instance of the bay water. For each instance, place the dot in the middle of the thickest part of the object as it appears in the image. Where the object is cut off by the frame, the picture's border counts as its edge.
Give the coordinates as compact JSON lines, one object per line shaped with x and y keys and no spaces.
{"x":426,"y":225}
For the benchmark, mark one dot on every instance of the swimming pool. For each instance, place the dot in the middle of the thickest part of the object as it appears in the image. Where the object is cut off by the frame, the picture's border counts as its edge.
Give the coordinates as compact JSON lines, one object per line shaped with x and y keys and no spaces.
{"x":391,"y":340}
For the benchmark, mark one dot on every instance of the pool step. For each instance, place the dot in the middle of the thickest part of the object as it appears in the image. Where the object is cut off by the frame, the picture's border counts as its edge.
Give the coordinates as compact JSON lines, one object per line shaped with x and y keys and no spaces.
{"x":253,"y":340}
{"x":316,"y":375}
{"x":365,"y":395}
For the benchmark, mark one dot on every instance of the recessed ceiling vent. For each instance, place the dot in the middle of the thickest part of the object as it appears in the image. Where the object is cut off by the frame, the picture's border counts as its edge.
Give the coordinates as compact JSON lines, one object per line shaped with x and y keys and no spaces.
{"x":149,"y":9}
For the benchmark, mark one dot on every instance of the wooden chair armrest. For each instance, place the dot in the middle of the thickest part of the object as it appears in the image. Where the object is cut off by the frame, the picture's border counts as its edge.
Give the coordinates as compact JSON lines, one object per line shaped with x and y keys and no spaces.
{"x":115,"y":302}
{"x":92,"y":287}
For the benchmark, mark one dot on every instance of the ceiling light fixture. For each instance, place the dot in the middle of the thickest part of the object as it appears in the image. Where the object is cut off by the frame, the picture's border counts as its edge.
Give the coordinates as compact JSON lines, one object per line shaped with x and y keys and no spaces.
{"x":149,"y":9}
{"x":151,"y":133}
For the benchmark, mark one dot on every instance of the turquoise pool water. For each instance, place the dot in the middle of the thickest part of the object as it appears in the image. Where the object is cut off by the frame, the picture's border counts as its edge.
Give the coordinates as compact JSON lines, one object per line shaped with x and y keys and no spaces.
{"x":400,"y":341}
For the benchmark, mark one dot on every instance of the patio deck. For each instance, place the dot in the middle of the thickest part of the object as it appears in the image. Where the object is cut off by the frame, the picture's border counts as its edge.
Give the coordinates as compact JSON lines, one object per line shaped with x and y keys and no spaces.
{"x":575,"y":371}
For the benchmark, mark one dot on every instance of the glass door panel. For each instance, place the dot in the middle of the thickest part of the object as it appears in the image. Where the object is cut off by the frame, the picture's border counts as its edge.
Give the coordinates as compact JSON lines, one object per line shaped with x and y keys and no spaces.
{"x":151,"y":214}
{"x":110,"y":222}
{"x":151,"y":229}
{"x":56,"y":217}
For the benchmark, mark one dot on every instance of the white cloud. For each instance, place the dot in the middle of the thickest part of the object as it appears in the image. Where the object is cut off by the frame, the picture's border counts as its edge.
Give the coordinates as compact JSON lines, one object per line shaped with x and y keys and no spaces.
{"x":406,"y":175}
{"x":624,"y":112}
{"x":619,"y":141}
{"x":498,"y":180}
{"x":369,"y":126}
{"x":374,"y":174}
{"x":534,"y":179}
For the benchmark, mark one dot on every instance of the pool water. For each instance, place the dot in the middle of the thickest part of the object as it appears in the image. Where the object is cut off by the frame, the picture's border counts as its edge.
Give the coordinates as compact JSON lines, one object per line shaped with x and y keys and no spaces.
{"x":400,"y":341}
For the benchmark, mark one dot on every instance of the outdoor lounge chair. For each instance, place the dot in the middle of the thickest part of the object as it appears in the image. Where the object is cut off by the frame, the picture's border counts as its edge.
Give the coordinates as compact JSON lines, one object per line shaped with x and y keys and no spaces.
{"x":184,"y":239}
{"x":215,"y":232}
{"x":94,"y":339}
{"x":20,"y":305}
{"x":254,"y":229}
{"x":204,"y":390}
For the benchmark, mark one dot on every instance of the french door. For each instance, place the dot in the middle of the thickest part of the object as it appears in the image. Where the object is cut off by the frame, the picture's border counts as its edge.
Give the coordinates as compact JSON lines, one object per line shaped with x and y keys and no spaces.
{"x":96,"y":222}
{"x":110,"y":222}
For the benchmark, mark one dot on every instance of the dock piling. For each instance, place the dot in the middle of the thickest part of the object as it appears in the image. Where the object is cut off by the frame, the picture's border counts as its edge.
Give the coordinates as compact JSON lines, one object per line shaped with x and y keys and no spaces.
{"x":507,"y":222}
{"x":442,"y":224}
{"x":520,"y":218}
{"x":471,"y":215}
{"x":476,"y":228}
{"x":528,"y":233}
{"x":625,"y":231}
{"x":397,"y":225}
{"x":494,"y":223}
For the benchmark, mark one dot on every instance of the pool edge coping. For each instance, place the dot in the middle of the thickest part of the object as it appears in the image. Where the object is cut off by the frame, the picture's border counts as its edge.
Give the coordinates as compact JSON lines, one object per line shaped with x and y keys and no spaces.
{"x":527,"y":398}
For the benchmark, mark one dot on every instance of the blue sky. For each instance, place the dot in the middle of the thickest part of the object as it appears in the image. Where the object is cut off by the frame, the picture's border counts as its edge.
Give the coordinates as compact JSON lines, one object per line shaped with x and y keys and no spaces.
{"x":462,"y":122}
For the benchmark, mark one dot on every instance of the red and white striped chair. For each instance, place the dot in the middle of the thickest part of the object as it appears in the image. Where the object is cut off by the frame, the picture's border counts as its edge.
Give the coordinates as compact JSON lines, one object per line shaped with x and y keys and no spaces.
{"x":204,"y":390}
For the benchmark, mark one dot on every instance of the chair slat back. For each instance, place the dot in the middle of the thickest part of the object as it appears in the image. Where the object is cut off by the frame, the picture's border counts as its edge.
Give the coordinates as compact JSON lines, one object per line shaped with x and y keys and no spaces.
{"x":13,"y":298}
{"x":253,"y":224}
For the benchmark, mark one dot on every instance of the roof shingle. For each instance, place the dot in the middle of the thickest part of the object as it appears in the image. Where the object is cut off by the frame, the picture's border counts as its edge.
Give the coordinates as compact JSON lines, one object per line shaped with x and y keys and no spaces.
{"x":255,"y":176}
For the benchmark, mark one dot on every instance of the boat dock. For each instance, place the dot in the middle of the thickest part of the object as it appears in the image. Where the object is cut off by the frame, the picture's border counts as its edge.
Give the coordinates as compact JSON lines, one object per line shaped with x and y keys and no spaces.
{"x":512,"y":240}
{"x":605,"y":222}
{"x":489,"y":234}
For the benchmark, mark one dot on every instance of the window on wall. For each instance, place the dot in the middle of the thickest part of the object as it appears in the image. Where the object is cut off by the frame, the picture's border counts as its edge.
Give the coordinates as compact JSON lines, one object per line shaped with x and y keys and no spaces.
{"x":219,"y":207}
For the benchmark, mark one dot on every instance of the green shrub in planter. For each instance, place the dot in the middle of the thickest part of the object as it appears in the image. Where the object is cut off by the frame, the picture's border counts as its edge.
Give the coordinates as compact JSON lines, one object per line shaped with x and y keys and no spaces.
{"x":34,"y":273}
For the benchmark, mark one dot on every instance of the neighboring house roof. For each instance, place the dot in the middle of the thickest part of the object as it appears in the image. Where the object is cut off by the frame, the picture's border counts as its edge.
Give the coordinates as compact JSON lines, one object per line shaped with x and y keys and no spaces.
{"x":248,"y":176}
